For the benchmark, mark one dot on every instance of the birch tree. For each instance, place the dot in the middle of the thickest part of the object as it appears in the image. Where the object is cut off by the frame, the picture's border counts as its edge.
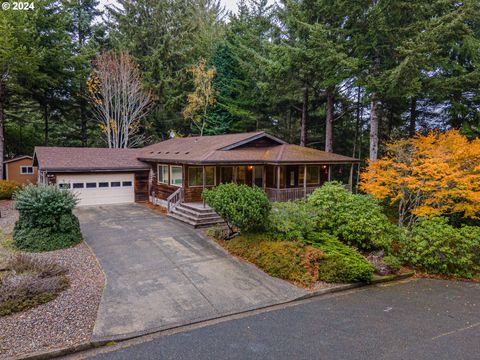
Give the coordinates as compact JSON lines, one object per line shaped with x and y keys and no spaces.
{"x":119,"y":99}
{"x":203,"y":96}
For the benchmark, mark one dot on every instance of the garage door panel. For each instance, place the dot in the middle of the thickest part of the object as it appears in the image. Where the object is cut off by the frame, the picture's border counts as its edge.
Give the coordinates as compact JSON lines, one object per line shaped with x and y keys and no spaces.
{"x":101,"y":195}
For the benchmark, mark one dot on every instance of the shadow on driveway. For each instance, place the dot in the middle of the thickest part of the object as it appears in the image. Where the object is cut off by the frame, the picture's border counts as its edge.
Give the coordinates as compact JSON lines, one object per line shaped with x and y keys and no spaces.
{"x":161,"y":273}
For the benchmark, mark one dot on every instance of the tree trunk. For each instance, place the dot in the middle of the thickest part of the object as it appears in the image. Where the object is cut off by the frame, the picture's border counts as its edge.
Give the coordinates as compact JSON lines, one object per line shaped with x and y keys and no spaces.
{"x":83,"y":117}
{"x":329,"y":122}
{"x":2,"y":132}
{"x":413,"y":117}
{"x":374,"y":128}
{"x":45,"y":118}
{"x":303,"y":128}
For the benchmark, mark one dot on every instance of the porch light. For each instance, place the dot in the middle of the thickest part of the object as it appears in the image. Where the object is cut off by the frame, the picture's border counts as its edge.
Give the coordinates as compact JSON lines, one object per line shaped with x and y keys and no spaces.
{"x":324,"y":167}
{"x":250,"y":167}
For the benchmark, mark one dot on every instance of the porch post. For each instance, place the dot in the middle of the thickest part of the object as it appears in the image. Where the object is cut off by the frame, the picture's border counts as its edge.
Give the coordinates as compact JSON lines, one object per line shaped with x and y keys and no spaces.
{"x":350,"y":179}
{"x":278,"y":176}
{"x":234,"y":174}
{"x":329,"y":172}
{"x":264,"y":177}
{"x":305,"y":181}
{"x":203,"y":183}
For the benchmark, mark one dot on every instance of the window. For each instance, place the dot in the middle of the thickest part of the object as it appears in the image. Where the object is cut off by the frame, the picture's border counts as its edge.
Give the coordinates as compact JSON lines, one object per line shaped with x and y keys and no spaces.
{"x":226,"y":174}
{"x":103,"y":184}
{"x":162,"y":174}
{"x":313,"y":175}
{"x":64,"y":186}
{"x":115,"y":184}
{"x":242,"y":175}
{"x":195,"y":176}
{"x":176,"y":175}
{"x":127,"y":183}
{"x":78,"y":185}
{"x":91,"y":185}
{"x":26,"y":170}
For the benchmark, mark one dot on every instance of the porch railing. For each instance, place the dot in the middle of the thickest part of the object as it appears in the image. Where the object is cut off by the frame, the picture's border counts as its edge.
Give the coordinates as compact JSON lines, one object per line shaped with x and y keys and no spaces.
{"x":176,"y":198}
{"x":288,"y":194}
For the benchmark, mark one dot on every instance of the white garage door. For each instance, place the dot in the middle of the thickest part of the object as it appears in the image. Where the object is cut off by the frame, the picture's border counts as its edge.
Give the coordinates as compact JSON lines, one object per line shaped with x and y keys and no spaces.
{"x":97,"y":189}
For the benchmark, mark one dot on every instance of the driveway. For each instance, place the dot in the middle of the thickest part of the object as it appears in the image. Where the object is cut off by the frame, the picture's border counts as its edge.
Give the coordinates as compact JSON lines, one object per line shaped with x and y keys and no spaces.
{"x":161,"y":273}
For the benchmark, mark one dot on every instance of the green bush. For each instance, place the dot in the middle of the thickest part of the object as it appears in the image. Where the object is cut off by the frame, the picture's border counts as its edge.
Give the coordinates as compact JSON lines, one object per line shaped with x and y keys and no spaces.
{"x":241,"y":206}
{"x":356,"y":219}
{"x":437,"y":247}
{"x":393,"y":262}
{"x":342,"y":264}
{"x":7,"y":189}
{"x":291,"y":220}
{"x":46,"y":221}
{"x":289,"y":260}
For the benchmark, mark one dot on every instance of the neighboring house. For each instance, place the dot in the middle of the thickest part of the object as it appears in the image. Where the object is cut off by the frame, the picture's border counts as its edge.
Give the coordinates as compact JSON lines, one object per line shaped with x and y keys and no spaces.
{"x":21,"y":170}
{"x":176,"y":171}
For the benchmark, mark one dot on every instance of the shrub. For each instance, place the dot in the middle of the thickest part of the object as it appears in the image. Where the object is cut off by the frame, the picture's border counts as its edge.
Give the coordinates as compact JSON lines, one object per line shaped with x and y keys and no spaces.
{"x":241,"y":206}
{"x":29,"y":282}
{"x":356,"y":219}
{"x":393,"y":262}
{"x":7,"y":189}
{"x":439,"y":248}
{"x":292,"y":220}
{"x":289,"y":260}
{"x":342,"y":264}
{"x":46,"y":220}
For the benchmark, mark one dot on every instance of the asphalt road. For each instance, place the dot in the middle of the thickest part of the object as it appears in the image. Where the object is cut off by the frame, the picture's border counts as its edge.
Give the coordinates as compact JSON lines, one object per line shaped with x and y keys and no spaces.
{"x":417,"y":319}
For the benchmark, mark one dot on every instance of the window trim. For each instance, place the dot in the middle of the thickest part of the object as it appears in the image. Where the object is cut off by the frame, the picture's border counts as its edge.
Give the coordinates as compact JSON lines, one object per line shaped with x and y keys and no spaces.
{"x":23,"y":167}
{"x":158,"y":173}
{"x":171,"y":177}
{"x":201,"y":167}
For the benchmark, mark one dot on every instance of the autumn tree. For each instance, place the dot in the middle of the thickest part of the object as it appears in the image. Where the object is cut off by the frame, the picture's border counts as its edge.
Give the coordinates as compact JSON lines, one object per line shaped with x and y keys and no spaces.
{"x":433,"y":174}
{"x":203,"y":96}
{"x":118,"y":98}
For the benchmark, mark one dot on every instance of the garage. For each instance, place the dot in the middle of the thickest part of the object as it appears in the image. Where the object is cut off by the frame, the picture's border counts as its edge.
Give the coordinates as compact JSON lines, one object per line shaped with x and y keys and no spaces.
{"x":96,"y":189}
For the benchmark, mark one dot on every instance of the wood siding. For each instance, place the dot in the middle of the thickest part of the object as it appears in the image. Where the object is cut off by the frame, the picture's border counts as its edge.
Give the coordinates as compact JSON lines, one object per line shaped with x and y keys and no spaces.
{"x":141,"y":185}
{"x":13,"y":172}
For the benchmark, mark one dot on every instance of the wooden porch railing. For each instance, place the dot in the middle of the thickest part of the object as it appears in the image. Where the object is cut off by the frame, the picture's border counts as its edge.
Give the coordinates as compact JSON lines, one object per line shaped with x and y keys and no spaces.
{"x":176,"y":198}
{"x":288,"y":194}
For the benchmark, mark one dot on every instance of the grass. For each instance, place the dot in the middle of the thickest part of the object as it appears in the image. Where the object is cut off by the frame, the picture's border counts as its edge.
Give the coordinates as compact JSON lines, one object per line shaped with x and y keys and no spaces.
{"x":288,"y":260}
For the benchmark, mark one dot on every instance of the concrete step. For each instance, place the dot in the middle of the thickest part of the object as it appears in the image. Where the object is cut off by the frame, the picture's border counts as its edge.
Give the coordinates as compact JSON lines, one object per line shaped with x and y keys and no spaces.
{"x":195,"y":224}
{"x":192,"y":212}
{"x":196,"y":208}
{"x":195,"y":217}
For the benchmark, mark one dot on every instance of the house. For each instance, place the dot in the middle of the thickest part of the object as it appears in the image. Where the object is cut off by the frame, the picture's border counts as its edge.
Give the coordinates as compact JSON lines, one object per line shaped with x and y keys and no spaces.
{"x":173,"y":173}
{"x":20,"y":170}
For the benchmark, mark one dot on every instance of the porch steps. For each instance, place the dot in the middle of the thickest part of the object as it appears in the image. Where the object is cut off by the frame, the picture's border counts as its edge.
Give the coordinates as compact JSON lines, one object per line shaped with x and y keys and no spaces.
{"x":196,"y":216}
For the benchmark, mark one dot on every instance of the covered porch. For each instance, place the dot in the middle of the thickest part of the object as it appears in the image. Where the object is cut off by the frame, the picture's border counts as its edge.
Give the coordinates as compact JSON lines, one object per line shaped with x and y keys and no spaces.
{"x":280,"y":182}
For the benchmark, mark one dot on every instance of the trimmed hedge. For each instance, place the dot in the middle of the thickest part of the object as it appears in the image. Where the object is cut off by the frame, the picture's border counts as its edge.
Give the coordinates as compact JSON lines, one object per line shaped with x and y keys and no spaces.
{"x":241,"y":206}
{"x":46,"y":220}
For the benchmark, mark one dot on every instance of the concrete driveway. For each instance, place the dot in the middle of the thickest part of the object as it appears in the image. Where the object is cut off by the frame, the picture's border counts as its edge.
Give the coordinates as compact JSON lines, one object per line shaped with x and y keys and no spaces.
{"x":161,"y":273}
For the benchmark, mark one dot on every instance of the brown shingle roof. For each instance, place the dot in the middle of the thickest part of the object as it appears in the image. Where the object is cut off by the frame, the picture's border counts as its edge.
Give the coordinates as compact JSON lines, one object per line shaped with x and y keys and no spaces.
{"x":87,"y":159}
{"x":212,"y":149}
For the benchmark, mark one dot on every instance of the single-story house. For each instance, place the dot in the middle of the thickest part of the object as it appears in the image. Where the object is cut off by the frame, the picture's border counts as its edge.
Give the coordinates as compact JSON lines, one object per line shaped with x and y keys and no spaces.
{"x":173,"y":173}
{"x":21,"y":170}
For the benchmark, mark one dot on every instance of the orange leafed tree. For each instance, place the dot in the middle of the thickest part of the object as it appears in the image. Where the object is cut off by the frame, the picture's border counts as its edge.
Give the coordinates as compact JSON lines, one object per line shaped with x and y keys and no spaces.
{"x":433,"y":174}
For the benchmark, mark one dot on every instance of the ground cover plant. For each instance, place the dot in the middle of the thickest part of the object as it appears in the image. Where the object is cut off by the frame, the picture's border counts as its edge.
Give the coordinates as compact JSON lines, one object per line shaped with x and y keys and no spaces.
{"x":26,"y":282}
{"x":46,"y":221}
{"x":289,"y":260}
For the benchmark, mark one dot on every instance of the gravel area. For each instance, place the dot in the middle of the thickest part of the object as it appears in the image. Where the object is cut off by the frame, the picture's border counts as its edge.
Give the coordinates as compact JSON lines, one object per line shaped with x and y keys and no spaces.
{"x":69,"y":319}
{"x":8,"y":215}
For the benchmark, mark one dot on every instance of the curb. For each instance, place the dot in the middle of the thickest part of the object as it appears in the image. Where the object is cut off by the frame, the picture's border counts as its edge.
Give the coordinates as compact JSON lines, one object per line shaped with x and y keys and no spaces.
{"x":119,"y":338}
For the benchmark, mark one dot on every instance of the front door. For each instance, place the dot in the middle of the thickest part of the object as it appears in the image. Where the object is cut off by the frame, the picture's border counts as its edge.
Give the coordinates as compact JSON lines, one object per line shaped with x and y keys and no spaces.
{"x":258,"y":176}
{"x":292,"y":176}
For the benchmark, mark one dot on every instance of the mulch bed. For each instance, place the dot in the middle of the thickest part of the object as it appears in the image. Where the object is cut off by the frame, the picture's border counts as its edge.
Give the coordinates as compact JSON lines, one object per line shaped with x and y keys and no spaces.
{"x":67,"y":320}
